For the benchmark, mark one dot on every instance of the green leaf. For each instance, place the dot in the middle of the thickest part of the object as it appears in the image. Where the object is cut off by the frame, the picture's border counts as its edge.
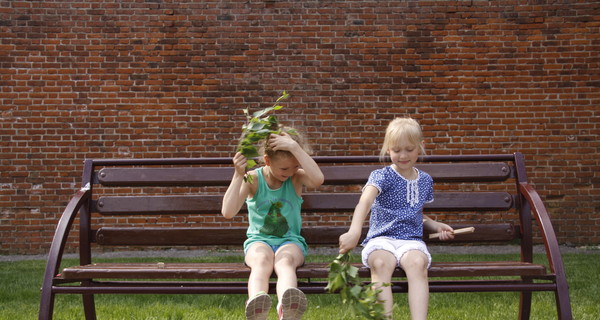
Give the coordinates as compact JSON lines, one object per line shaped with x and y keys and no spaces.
{"x":250,"y":163}
{"x":260,"y":113}
{"x":352,"y":272}
{"x":284,"y":95}
{"x":292,"y":132}
{"x":355,"y":292}
{"x":249,"y":152}
{"x":256,"y":126}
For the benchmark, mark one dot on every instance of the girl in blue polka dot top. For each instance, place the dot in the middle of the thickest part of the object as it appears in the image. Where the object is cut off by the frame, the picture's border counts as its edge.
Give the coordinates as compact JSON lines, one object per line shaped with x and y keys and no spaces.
{"x":395,"y":196}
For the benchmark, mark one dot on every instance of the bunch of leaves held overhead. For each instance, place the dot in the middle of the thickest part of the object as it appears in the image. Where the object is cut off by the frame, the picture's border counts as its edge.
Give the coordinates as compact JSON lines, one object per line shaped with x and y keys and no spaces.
{"x":258,"y":127}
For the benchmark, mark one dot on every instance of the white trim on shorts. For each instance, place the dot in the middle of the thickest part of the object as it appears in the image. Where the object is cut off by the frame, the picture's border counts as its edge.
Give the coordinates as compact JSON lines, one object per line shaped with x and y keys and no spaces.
{"x":396,"y":247}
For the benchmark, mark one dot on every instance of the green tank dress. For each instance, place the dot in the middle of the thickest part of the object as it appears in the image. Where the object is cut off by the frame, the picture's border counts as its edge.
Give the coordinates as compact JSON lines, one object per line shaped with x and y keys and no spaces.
{"x":274,"y":215}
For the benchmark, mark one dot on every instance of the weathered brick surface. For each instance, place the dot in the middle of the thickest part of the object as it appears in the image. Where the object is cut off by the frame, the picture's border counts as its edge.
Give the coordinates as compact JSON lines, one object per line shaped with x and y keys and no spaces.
{"x":114,"y":79}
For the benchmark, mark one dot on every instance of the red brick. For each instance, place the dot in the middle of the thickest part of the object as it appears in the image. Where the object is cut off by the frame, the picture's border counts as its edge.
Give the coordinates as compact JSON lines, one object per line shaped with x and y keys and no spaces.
{"x":168,"y":81}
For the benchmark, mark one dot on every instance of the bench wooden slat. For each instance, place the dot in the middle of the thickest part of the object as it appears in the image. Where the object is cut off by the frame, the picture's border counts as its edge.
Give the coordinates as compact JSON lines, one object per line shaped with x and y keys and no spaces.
{"x":152,"y":205}
{"x":441,"y":172}
{"x":315,"y":236}
{"x":170,"y":236}
{"x":340,"y":202}
{"x":457,"y":172}
{"x":458,"y":201}
{"x":443,"y":201}
{"x":309,"y":270}
{"x":352,"y":174}
{"x":203,"y":176}
{"x":445,"y":269}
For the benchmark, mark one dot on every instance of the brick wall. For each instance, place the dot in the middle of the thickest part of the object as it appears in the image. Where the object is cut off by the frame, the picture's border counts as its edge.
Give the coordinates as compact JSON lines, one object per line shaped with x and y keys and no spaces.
{"x":120,"y":79}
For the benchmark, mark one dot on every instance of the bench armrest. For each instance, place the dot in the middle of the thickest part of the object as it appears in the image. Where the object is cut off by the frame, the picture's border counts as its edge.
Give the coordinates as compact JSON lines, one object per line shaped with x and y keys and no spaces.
{"x":555,"y":261}
{"x":543,"y":219}
{"x":62,"y":232}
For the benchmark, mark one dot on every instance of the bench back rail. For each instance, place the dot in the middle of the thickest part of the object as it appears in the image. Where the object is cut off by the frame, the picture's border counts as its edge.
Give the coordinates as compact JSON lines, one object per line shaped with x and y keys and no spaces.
{"x":319,"y":202}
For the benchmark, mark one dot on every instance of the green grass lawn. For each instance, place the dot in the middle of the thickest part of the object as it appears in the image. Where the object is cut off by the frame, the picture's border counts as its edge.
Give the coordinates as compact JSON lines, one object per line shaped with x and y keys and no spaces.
{"x":20,"y":283}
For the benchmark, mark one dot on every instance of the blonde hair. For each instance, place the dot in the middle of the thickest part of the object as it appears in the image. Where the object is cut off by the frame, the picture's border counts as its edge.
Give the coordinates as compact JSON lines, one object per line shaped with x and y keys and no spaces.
{"x":402,"y":128}
{"x":295,"y":135}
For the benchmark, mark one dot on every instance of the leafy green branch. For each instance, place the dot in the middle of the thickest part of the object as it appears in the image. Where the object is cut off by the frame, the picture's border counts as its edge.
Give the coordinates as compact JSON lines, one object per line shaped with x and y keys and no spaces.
{"x":258,"y":127}
{"x":343,"y":278}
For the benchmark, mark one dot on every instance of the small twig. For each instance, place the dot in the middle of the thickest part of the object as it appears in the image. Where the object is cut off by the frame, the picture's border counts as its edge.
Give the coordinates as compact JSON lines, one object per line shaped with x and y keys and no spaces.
{"x":457,"y":231}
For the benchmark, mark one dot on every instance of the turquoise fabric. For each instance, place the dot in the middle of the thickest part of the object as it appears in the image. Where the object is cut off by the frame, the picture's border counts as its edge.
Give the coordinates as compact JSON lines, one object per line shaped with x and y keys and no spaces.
{"x":274,"y":215}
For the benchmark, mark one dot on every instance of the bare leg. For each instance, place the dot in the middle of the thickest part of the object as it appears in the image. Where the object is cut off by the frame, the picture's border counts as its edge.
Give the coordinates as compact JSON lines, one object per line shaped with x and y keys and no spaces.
{"x":292,"y":302}
{"x":260,"y":259}
{"x":414,"y":263}
{"x":287,"y":259}
{"x":382,"y":265}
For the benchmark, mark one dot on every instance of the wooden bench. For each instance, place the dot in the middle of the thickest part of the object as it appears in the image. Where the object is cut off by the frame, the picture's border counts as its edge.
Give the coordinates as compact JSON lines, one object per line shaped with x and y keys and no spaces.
{"x":122,"y":203}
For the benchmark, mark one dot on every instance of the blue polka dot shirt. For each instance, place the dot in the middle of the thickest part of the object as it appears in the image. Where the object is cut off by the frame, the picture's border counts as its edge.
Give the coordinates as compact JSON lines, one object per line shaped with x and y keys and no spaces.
{"x":397,"y":211}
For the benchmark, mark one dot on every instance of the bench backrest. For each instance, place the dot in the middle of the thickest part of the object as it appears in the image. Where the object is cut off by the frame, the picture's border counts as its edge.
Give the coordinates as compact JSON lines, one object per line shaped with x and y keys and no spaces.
{"x":172,"y":202}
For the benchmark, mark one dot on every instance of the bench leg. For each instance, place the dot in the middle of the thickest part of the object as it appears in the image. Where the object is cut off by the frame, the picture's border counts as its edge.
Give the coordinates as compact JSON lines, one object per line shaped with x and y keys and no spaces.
{"x":89,"y":307}
{"x":525,"y":306}
{"x":563,"y":304}
{"x":46,"y":305}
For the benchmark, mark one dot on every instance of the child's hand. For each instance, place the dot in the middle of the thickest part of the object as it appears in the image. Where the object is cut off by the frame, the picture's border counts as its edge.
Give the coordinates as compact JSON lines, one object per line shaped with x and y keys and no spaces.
{"x":282,"y":141}
{"x":446,"y":231}
{"x":239,"y":162}
{"x":348,"y":241}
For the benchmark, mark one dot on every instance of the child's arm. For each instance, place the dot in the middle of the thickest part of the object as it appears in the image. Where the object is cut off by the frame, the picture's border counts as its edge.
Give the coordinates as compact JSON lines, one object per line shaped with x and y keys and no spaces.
{"x":238,"y":191}
{"x":349,"y":240}
{"x":310,"y":175}
{"x":446,"y":231}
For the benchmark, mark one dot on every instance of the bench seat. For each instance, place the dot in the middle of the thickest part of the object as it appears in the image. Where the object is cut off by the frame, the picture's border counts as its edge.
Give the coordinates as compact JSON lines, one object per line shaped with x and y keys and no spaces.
{"x":168,"y":270}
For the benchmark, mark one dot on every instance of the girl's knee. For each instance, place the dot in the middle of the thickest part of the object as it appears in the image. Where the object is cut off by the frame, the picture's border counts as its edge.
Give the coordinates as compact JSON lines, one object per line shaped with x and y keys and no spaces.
{"x":286,"y":260}
{"x":382,"y":262}
{"x":289,"y":256}
{"x":263,"y":259}
{"x":414,"y":260}
{"x":259,"y":257}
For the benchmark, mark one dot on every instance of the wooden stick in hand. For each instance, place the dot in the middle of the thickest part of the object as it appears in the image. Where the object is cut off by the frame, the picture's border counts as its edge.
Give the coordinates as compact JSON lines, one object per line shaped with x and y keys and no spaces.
{"x":457,"y":231}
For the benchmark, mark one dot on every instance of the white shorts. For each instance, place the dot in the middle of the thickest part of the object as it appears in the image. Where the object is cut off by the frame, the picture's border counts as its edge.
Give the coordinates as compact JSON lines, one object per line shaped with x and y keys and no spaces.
{"x":397,"y":247}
